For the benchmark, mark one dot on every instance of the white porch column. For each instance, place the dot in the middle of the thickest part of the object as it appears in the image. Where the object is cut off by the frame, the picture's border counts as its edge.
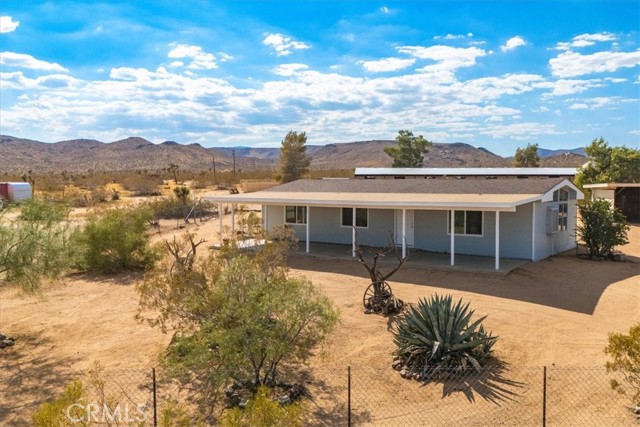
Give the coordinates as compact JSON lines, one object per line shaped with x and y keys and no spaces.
{"x":233,"y":221}
{"x":220,"y":216}
{"x":404,"y":233}
{"x":264,"y":218}
{"x":453,"y":239}
{"x":353,"y":233}
{"x":533,"y":231}
{"x":497,"y":240}
{"x":308,"y":218}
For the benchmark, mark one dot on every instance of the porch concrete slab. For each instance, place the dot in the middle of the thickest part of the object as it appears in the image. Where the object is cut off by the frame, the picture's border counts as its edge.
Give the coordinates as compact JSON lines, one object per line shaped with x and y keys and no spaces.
{"x":419,"y":259}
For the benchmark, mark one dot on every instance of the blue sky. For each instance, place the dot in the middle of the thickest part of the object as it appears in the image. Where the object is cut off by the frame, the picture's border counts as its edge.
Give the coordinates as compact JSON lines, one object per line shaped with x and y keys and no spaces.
{"x":493,"y":74}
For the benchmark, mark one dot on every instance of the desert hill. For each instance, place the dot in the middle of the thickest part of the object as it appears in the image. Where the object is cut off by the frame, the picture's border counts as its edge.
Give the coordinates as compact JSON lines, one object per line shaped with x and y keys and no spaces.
{"x":134,"y":153}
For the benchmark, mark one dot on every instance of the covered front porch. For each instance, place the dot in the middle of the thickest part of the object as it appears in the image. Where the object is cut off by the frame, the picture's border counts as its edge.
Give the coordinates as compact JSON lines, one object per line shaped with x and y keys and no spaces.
{"x":417,"y":259}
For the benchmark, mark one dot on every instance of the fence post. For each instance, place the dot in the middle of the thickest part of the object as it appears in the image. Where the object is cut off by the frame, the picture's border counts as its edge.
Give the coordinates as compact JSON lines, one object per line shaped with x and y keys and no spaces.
{"x":349,"y":396}
{"x":155,"y":401}
{"x":544,"y":397}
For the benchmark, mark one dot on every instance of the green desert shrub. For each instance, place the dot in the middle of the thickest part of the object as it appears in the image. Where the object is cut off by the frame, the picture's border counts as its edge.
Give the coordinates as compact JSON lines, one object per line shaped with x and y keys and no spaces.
{"x":438,"y":336}
{"x":624,"y":349}
{"x":116,"y":240}
{"x":263,"y":411}
{"x":602,"y":229}
{"x":64,"y":410}
{"x":36,"y":245}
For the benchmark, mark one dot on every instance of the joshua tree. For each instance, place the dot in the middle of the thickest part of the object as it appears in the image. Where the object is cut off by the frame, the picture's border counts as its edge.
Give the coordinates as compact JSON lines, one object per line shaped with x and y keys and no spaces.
{"x":173,"y":168}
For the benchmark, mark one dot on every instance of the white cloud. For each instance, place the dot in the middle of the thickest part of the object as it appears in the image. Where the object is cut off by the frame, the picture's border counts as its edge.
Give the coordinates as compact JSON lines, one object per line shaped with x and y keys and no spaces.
{"x":21,"y":60}
{"x":584,"y":40}
{"x":385,"y":10}
{"x":7,"y":24}
{"x":448,"y":58}
{"x":567,"y":87}
{"x":634,"y":132}
{"x":513,"y":43}
{"x":579,"y":106}
{"x":521,"y":131}
{"x":571,"y":64}
{"x":283,"y":45}
{"x":289,"y":69}
{"x":224,"y":57}
{"x":199,"y":58}
{"x":387,"y":64}
{"x":453,"y":36}
{"x":17,"y":80}
{"x":598,"y":102}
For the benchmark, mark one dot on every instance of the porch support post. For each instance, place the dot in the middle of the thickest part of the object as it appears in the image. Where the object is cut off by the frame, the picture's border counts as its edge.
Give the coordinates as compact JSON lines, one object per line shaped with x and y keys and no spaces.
{"x":404,"y":233}
{"x":497,"y":240}
{"x":533,"y":231}
{"x":220,"y":216}
{"x":233,"y":221}
{"x":308,"y":218}
{"x":453,"y":237}
{"x":353,"y":233}
{"x":264,"y":218}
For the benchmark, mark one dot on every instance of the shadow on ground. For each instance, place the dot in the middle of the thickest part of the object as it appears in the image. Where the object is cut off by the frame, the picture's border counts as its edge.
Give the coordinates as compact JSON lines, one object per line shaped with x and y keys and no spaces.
{"x":27,"y":382}
{"x":564,"y":281}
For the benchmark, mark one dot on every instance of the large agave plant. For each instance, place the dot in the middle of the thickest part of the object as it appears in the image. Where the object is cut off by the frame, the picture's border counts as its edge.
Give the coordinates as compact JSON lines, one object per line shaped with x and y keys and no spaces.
{"x":438,"y":336}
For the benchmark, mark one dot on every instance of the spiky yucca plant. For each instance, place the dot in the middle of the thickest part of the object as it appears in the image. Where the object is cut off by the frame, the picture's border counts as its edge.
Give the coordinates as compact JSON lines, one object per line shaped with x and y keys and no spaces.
{"x":438,"y":336}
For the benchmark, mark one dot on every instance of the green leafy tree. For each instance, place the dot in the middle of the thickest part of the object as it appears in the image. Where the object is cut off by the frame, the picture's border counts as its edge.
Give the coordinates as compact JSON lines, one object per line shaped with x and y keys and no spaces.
{"x":624,"y":349}
{"x":237,"y":314}
{"x":602,"y":228}
{"x":294,"y":162}
{"x":410,"y":150}
{"x":527,"y":157}
{"x":609,"y":164}
{"x":116,"y":240}
{"x":36,"y":245}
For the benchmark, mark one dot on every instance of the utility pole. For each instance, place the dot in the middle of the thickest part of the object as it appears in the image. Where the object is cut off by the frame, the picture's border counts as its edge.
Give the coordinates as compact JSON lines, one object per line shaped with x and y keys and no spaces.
{"x":213,"y":163}
{"x":233,"y":152}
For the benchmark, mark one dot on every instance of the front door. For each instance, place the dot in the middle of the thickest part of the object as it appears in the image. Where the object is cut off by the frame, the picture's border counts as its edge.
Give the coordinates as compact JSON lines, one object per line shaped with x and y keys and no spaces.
{"x":408,"y":227}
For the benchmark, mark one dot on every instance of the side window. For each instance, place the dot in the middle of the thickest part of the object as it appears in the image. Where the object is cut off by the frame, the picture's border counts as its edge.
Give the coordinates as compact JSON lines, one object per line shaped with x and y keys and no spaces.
{"x":295,"y":214}
{"x":466,"y":223}
{"x":362,"y":217}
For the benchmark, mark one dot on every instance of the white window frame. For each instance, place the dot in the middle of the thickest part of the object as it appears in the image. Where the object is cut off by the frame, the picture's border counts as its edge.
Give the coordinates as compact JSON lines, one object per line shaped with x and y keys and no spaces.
{"x":357,"y":226}
{"x":562,"y":196}
{"x":304,"y":215}
{"x":465,"y":224}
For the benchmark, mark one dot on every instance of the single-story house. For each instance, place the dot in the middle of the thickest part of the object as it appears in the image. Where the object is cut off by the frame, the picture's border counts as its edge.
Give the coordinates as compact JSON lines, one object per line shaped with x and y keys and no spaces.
{"x":624,"y":196}
{"x":527,"y":219}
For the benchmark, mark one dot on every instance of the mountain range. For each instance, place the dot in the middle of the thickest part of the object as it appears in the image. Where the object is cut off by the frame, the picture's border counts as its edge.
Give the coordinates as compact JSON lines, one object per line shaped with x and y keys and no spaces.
{"x":18,"y":155}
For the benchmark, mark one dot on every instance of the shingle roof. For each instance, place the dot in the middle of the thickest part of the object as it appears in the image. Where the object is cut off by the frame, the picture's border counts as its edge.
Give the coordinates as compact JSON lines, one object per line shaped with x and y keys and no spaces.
{"x":417,"y":186}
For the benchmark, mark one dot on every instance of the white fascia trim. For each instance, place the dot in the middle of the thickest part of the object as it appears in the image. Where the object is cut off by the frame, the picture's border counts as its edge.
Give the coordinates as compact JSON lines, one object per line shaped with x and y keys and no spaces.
{"x":613,"y":185}
{"x":506,"y":207}
{"x":548,"y":196}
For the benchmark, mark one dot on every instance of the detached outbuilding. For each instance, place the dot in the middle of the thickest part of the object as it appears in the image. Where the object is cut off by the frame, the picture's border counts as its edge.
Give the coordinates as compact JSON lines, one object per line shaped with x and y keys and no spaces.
{"x":527,"y":219}
{"x":15,"y":191}
{"x":624,"y":196}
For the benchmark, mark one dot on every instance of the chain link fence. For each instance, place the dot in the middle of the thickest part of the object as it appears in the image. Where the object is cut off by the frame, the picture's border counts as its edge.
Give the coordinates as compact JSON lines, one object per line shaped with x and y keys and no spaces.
{"x":355,"y":396}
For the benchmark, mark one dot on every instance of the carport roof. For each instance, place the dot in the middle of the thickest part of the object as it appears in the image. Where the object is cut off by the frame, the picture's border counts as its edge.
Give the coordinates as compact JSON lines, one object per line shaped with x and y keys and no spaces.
{"x":404,"y":194}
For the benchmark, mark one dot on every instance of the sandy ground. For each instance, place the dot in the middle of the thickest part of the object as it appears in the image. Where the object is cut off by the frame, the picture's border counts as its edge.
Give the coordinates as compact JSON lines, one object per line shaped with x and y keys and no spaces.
{"x":557,"y":312}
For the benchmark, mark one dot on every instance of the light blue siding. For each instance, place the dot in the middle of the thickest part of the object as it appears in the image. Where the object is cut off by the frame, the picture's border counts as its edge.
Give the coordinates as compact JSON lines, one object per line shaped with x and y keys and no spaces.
{"x":430,"y":231}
